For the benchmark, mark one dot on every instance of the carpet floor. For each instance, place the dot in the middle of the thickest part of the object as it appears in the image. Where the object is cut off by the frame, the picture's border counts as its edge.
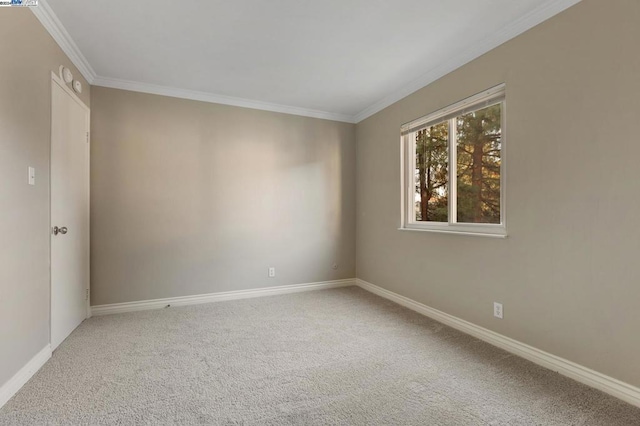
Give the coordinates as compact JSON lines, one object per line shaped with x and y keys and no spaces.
{"x":342,"y":356}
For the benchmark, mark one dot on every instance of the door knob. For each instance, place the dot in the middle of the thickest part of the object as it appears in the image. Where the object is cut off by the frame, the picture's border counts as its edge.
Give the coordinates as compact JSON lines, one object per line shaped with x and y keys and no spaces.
{"x":62,"y":230}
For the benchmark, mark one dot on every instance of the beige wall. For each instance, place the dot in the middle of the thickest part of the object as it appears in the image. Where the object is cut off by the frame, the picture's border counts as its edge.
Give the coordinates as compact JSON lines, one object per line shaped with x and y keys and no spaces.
{"x":27,"y":56}
{"x":190,"y":198}
{"x":568,"y":272}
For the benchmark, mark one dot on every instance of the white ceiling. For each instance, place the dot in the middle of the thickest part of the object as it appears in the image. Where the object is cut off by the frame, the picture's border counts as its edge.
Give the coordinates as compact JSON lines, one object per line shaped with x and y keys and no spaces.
{"x":339,"y":59}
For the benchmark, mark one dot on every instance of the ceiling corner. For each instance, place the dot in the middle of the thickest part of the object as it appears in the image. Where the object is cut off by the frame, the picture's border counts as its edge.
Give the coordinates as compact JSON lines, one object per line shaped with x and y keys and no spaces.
{"x":174,"y":92}
{"x":52,"y":24}
{"x":540,"y":14}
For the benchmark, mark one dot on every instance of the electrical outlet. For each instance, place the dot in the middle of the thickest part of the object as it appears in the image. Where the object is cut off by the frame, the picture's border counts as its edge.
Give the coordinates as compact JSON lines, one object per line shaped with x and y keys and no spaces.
{"x":497,"y":310}
{"x":272,"y":272}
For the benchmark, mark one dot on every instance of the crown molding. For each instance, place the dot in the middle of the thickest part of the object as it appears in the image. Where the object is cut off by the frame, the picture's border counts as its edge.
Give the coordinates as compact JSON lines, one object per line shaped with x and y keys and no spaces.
{"x":195,"y":95}
{"x":52,"y":24}
{"x":540,"y":14}
{"x":50,"y":21}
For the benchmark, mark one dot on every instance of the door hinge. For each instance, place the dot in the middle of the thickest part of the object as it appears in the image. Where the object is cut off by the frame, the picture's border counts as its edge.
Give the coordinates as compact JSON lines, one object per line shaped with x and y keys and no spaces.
{"x":86,"y":296}
{"x":87,"y":137}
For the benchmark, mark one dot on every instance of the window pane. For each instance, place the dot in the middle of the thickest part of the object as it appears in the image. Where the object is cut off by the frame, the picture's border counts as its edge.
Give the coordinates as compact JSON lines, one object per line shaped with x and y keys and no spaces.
{"x":431,"y":173}
{"x":479,"y":156}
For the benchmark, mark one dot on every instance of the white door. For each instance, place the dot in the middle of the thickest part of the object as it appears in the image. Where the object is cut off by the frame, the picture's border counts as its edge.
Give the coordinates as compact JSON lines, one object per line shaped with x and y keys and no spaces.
{"x":69,"y":211}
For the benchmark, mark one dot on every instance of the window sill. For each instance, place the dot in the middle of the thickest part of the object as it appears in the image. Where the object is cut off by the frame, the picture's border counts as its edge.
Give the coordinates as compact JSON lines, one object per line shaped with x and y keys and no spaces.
{"x":448,"y":231}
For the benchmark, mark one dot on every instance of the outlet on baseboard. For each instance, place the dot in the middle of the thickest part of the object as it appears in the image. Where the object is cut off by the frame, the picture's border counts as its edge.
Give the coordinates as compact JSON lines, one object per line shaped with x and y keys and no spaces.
{"x":497,"y":310}
{"x":272,"y":272}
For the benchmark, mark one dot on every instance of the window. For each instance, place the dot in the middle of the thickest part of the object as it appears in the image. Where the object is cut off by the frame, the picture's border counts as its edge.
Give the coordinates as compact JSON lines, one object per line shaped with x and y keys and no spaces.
{"x":453,"y":167}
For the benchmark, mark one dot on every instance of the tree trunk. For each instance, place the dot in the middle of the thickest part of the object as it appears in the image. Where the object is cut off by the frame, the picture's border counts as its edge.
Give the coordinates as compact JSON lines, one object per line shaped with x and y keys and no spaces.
{"x":476,"y":178}
{"x":422,"y":168}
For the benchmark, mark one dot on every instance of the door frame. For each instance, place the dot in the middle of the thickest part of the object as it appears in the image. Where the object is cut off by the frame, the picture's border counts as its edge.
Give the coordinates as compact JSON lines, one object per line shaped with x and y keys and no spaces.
{"x":56,"y":80}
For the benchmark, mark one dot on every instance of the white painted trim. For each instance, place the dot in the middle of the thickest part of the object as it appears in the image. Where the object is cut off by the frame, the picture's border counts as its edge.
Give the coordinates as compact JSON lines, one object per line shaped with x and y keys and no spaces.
{"x":143,"y":305}
{"x":52,"y":24}
{"x":493,"y":96}
{"x":50,"y":21}
{"x":454,"y":232}
{"x":540,"y":14}
{"x":614,"y":387}
{"x":13,"y":385}
{"x":195,"y":95}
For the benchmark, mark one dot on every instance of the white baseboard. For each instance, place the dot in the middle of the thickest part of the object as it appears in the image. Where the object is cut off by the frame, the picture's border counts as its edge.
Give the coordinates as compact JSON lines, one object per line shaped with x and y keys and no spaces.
{"x":14,"y":384}
{"x":143,"y":305}
{"x":614,"y":387}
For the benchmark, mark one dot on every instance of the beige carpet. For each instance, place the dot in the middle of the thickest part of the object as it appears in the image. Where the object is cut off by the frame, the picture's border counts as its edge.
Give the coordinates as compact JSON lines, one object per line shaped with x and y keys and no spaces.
{"x":339,"y":356}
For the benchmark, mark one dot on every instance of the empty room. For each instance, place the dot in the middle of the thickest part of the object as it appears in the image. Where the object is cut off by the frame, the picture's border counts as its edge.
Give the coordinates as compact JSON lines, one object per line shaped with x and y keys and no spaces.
{"x":407,"y":212}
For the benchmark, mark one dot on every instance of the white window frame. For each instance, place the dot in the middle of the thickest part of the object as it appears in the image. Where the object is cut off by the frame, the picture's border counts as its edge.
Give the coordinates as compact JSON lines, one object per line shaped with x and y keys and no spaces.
{"x":481,"y":100}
